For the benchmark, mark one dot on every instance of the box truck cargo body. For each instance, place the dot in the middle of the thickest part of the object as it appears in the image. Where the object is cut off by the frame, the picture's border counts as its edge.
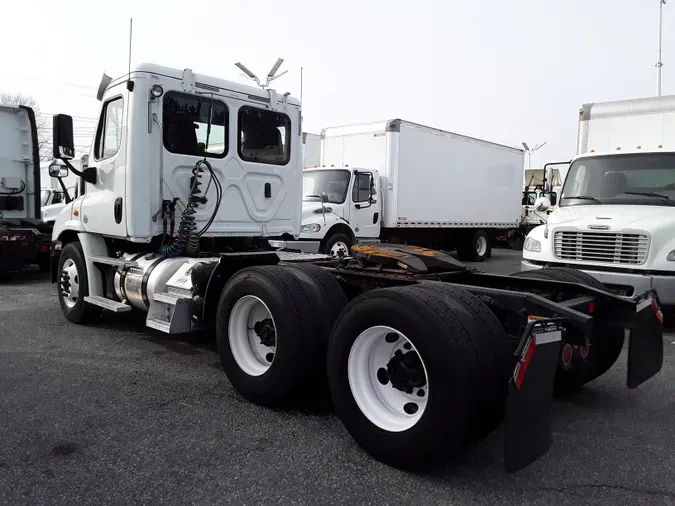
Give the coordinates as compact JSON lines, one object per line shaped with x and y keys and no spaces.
{"x":402,"y":182}
{"x":616,"y":215}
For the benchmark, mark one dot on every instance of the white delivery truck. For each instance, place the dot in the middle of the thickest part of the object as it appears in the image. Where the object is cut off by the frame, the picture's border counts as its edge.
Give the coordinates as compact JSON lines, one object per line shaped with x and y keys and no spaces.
{"x":397,"y":181}
{"x":422,"y":355}
{"x":616,"y":215}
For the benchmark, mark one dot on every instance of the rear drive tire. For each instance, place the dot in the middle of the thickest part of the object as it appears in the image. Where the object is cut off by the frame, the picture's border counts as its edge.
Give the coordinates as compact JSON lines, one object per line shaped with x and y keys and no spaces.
{"x":338,"y":244}
{"x":427,"y":417}
{"x":73,"y":285}
{"x":475,"y":246}
{"x":495,"y":354}
{"x":272,"y":329}
{"x":606,"y":343}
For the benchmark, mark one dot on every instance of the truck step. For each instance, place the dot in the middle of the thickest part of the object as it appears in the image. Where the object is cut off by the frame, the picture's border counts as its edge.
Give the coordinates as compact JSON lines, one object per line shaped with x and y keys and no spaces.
{"x":157,"y":324}
{"x":110,"y":305}
{"x":169,"y":298}
{"x":116,"y":262}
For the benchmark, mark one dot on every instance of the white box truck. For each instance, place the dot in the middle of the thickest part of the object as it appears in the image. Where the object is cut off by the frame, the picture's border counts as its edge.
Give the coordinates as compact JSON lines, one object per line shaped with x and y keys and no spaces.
{"x":616,"y":215}
{"x":398,"y":181}
{"x":311,"y":145}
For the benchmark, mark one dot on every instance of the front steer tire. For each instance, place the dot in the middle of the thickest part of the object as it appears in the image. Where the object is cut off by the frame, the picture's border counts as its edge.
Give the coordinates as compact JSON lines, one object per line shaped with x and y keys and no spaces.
{"x":302,"y":325}
{"x":81,"y":312}
{"x":437,"y":331}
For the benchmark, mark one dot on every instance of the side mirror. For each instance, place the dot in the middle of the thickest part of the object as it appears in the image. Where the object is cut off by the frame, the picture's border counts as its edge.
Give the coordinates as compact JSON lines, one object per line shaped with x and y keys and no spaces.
{"x":63,"y":145}
{"x":57,"y":170}
{"x":542,"y":204}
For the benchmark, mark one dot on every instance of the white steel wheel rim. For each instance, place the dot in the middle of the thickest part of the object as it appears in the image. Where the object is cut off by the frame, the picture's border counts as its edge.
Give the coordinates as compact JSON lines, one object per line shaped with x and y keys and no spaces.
{"x":339,"y":249}
{"x":481,"y":245}
{"x":382,"y":404}
{"x":251,"y":354}
{"x":69,"y":283}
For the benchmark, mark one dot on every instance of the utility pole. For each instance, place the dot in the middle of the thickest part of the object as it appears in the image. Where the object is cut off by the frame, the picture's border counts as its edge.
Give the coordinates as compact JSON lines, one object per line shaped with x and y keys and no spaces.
{"x":530,"y":151}
{"x":659,"y":63}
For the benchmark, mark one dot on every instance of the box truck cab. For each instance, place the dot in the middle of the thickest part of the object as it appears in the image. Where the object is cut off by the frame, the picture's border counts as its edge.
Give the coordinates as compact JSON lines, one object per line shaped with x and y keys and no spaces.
{"x":616,"y":215}
{"x":340,"y":204}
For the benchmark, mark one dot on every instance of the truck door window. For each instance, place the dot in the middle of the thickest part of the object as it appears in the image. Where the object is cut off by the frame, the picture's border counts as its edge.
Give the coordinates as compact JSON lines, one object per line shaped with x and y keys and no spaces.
{"x":186,"y":125}
{"x":109,"y":133}
{"x":44,"y":197}
{"x":362,"y":184}
{"x":58,"y":198}
{"x":264,"y":136}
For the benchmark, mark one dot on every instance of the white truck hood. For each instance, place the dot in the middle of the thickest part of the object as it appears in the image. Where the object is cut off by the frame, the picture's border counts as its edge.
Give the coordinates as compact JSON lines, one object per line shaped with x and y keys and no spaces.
{"x":617,"y":218}
{"x":309,"y":216}
{"x":50,"y":212}
{"x":657,"y":223}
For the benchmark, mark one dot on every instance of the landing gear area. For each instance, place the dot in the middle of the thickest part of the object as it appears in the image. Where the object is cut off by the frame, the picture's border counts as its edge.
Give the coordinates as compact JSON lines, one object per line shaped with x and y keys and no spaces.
{"x":423,"y":356}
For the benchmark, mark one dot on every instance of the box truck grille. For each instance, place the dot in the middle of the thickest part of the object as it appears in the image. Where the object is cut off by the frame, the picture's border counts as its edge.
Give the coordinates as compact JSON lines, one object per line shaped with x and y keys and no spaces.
{"x":601,"y":247}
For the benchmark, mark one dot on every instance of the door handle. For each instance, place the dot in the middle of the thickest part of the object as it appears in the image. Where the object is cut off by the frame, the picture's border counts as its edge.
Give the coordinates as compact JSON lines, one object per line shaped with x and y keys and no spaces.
{"x":118,"y":210}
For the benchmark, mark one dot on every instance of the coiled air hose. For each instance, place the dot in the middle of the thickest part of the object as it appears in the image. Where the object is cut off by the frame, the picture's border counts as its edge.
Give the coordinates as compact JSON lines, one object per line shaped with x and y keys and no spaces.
{"x":187,"y":237}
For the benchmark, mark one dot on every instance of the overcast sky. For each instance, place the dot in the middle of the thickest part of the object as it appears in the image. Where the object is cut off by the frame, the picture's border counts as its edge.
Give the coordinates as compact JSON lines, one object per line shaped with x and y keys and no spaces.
{"x":502,"y":70}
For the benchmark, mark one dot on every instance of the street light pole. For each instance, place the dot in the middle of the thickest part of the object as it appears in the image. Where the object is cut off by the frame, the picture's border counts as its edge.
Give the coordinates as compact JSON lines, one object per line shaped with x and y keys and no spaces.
{"x":530,"y":151}
{"x":659,"y":63}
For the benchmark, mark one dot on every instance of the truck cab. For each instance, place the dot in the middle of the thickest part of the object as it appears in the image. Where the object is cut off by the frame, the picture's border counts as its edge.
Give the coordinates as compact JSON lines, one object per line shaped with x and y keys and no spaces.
{"x":615,"y":221}
{"x":340,"y":206}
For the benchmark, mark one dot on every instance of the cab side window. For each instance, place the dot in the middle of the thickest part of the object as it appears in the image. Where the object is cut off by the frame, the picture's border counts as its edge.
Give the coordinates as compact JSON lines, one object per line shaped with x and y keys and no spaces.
{"x":264,"y":136}
{"x":109,"y":133}
{"x":57,"y":198}
{"x":362,"y":184}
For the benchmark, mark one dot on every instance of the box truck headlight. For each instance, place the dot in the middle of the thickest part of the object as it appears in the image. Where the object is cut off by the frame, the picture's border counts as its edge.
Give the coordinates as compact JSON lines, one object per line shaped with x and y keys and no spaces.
{"x":312,"y":228}
{"x":671,"y":256}
{"x":532,"y":245}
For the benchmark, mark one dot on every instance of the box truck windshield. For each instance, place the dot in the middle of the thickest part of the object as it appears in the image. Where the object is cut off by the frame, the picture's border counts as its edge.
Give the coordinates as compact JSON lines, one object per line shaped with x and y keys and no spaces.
{"x":632,"y":179}
{"x":334,"y":183}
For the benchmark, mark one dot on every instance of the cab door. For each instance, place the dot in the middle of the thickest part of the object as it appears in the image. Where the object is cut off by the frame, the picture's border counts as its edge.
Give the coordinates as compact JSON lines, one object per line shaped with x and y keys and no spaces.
{"x":102,"y":207}
{"x":365,"y":213}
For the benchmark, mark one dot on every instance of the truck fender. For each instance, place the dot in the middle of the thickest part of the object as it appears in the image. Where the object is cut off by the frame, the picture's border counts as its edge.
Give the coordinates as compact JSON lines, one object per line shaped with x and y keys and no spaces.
{"x":227,"y":266}
{"x":339,"y":227}
{"x":93,"y":245}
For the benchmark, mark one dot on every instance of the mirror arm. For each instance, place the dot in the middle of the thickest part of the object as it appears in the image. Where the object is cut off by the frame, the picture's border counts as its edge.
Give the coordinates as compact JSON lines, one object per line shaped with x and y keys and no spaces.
{"x":70,"y":166}
{"x":65,"y":191}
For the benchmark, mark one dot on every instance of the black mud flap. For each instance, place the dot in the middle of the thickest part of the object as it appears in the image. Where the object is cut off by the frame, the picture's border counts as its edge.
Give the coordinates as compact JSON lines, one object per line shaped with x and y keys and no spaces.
{"x":528,"y":407}
{"x":645,"y":348}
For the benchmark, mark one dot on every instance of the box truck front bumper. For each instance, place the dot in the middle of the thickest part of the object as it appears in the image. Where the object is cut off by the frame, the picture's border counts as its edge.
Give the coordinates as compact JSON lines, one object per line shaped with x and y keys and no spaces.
{"x":622,"y":283}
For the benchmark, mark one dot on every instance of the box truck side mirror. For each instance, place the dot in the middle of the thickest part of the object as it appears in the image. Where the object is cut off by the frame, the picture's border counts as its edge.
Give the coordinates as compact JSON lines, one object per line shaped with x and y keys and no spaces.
{"x":62,"y":142}
{"x":542,"y":204}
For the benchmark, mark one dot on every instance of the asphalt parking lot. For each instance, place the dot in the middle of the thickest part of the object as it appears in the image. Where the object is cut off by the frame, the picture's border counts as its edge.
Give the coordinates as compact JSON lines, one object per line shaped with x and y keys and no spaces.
{"x":114,"y":413}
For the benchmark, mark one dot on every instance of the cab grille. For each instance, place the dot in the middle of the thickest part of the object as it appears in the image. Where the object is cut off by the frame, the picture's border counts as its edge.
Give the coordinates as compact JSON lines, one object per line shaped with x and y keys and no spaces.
{"x":601,"y":247}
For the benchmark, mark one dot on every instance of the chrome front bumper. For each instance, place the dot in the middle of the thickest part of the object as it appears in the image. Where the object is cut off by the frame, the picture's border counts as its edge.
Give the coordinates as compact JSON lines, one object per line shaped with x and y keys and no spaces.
{"x":639,"y":283}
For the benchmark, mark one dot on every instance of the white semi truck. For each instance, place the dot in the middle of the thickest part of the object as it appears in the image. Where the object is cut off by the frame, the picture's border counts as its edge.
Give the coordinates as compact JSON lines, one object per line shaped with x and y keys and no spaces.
{"x":190,"y":177}
{"x":24,"y":238}
{"x":397,"y":181}
{"x":616,"y":214}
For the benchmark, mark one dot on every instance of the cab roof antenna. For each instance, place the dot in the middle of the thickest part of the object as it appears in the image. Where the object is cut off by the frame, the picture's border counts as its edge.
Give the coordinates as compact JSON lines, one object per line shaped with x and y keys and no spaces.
{"x":271,"y":75}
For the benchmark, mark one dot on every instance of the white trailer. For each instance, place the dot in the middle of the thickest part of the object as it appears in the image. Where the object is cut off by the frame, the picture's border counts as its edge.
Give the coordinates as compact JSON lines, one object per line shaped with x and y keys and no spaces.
{"x":24,"y":239}
{"x":429,"y":187}
{"x":616,"y":215}
{"x":176,"y":226}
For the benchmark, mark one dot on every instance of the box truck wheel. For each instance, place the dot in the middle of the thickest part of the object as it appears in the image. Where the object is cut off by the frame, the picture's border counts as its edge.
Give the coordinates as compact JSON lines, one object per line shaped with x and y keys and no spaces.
{"x":474,"y":246}
{"x":272,"y":329}
{"x":402,"y":369}
{"x":338,"y":244}
{"x":73,"y":286}
{"x":579,"y":366}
